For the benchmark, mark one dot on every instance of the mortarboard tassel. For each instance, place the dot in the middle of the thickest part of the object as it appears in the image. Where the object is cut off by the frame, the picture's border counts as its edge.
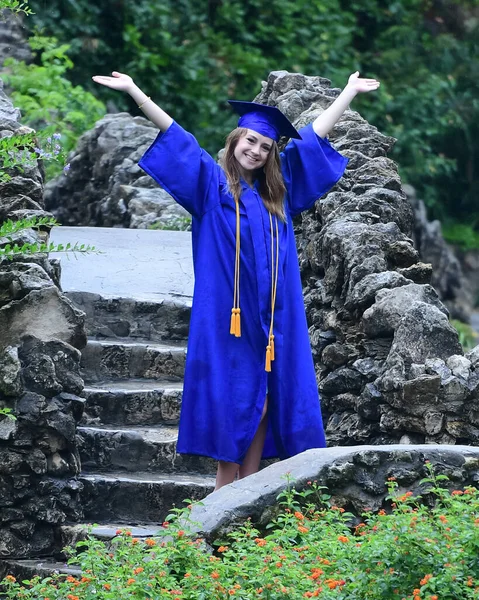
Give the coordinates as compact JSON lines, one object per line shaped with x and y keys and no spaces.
{"x":233,"y":322}
{"x":271,"y":343}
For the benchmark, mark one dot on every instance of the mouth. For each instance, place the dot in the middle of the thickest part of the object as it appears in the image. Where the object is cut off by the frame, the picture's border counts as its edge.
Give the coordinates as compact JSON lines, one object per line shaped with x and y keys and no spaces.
{"x":250,"y":158}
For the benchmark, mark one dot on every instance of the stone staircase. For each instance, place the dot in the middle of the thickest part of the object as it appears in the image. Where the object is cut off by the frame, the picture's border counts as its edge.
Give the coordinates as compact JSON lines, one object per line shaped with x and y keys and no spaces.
{"x":133,"y":367}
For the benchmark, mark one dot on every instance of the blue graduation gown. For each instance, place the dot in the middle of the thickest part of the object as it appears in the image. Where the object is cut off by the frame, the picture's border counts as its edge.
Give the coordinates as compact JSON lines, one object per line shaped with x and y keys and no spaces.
{"x":225,"y":379}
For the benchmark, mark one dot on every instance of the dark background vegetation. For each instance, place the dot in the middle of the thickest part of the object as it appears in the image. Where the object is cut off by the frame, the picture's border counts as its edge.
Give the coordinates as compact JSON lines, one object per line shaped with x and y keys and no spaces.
{"x":192,"y":55}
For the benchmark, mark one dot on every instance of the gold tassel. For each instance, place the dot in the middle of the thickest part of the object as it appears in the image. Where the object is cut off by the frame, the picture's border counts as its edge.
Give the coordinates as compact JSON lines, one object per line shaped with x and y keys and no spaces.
{"x":233,"y":322}
{"x":238,"y":323}
{"x":268,"y":359}
{"x":271,"y":343}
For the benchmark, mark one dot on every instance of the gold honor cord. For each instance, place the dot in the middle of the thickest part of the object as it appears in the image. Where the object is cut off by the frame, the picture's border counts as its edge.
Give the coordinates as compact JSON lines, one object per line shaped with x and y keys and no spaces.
{"x":235,"y":323}
{"x":274,"y":285}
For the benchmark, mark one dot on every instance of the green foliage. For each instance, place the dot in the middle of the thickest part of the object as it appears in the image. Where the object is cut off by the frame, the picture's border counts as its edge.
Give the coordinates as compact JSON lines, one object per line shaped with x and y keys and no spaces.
{"x":418,"y":550}
{"x":16,"y":6}
{"x":193,"y":55}
{"x":7,"y":412}
{"x":467,"y":335}
{"x":18,"y":152}
{"x":47,"y":99}
{"x":10,"y":248}
{"x":176,"y":224}
{"x":462,"y":235}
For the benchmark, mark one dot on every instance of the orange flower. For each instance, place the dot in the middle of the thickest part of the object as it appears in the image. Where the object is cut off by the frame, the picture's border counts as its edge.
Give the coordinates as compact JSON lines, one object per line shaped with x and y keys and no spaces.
{"x":71,"y":579}
{"x":215,"y":575}
{"x":138,"y":570}
{"x":299,"y":515}
{"x":134,"y":540}
{"x":181,"y":533}
{"x":457,"y":493}
{"x":107,"y":586}
{"x":127,"y":533}
{"x":260,"y":541}
{"x":382,"y":512}
{"x":118,"y":532}
{"x":232,"y":592}
{"x":434,"y":597}
{"x":222,"y":548}
{"x":425,"y":579}
{"x":279,"y":564}
{"x":130,"y":581}
{"x":343,"y":538}
{"x":186,"y":575}
{"x":443,"y":519}
{"x":302,"y":529}
{"x":149,"y":542}
{"x":10,"y":578}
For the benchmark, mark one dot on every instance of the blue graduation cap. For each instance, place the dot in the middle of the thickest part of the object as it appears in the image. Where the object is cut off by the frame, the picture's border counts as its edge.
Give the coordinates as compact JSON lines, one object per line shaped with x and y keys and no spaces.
{"x":267,"y":120}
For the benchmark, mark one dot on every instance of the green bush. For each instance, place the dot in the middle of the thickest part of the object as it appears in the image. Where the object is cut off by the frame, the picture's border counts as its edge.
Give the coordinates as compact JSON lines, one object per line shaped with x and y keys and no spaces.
{"x":467,"y":336}
{"x":48,"y":100}
{"x":311,"y":549}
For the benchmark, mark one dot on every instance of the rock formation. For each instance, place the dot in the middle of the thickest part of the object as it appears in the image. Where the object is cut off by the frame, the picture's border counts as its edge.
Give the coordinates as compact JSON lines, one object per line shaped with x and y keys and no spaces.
{"x":40,"y":333}
{"x":105,"y":187}
{"x":390,"y":367}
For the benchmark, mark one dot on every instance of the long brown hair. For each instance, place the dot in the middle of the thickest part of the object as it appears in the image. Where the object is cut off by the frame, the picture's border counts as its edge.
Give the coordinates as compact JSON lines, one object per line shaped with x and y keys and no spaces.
{"x":271,"y":184}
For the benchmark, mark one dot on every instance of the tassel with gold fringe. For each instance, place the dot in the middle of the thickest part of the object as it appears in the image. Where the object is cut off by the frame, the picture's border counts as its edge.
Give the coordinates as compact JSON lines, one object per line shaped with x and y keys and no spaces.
{"x":268,"y":359}
{"x":238,"y":322}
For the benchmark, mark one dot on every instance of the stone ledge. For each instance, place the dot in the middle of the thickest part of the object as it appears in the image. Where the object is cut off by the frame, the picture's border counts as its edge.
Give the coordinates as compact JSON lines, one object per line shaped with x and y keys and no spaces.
{"x":355,"y":477}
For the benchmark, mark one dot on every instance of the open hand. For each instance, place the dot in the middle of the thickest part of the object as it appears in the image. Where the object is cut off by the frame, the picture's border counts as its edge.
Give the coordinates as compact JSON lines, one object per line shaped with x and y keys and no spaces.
{"x":118,"y":81}
{"x":362,"y":85}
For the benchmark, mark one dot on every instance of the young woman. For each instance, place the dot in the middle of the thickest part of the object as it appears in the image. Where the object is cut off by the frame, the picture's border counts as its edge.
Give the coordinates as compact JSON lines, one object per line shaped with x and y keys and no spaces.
{"x":250,"y":388}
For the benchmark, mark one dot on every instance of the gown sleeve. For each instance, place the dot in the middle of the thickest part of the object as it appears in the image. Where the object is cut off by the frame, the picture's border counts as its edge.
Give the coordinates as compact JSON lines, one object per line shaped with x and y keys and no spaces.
{"x":310,"y":166}
{"x":180,"y":166}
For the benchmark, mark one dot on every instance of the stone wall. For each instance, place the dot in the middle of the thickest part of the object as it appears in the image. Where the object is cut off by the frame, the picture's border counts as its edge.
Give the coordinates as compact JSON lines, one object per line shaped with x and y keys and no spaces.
{"x":41,"y":333}
{"x":389,"y":364}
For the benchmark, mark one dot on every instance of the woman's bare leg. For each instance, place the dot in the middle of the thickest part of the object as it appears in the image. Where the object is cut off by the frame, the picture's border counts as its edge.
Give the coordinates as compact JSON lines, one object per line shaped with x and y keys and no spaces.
{"x":253,"y":456}
{"x":226,"y":473}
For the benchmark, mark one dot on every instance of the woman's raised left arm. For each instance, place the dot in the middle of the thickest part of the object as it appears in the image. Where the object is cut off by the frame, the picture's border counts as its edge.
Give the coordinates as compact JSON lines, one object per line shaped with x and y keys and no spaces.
{"x":327,"y":119}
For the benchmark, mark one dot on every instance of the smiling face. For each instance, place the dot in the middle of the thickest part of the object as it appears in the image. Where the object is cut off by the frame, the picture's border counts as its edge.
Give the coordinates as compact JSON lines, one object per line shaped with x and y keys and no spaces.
{"x":251,"y":153}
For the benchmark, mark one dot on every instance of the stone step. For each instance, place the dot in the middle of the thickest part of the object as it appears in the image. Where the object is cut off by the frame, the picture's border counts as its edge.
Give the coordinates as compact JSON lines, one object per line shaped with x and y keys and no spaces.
{"x":118,"y":317}
{"x":139,"y":497}
{"x":136,"y":449}
{"x":126,"y":359}
{"x":27,"y":569}
{"x":70,"y":534}
{"x":133,"y":402}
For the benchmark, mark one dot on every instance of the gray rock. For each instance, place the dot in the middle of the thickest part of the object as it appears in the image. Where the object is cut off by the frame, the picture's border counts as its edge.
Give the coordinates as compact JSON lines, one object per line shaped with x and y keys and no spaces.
{"x":473,"y":356}
{"x":425,"y":332}
{"x":385,"y":315}
{"x":459,"y":365}
{"x":60,"y":319}
{"x":10,"y":383}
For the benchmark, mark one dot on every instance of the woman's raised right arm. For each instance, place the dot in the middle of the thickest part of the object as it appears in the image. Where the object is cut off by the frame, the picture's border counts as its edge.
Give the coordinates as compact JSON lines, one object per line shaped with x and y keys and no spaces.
{"x":124,"y":83}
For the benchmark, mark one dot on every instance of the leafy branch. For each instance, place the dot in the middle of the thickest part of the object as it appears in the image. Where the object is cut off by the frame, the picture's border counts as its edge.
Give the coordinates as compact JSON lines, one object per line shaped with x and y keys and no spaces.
{"x":10,"y":248}
{"x":16,"y":6}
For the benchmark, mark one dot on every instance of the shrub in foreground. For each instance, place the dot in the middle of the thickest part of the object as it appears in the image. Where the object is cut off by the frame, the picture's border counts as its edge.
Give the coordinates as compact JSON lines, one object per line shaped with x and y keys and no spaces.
{"x":310,"y":550}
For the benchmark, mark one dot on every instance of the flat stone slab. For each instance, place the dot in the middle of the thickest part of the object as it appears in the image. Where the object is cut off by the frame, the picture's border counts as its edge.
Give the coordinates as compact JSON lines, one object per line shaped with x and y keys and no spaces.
{"x":355,"y":476}
{"x":142,"y":264}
